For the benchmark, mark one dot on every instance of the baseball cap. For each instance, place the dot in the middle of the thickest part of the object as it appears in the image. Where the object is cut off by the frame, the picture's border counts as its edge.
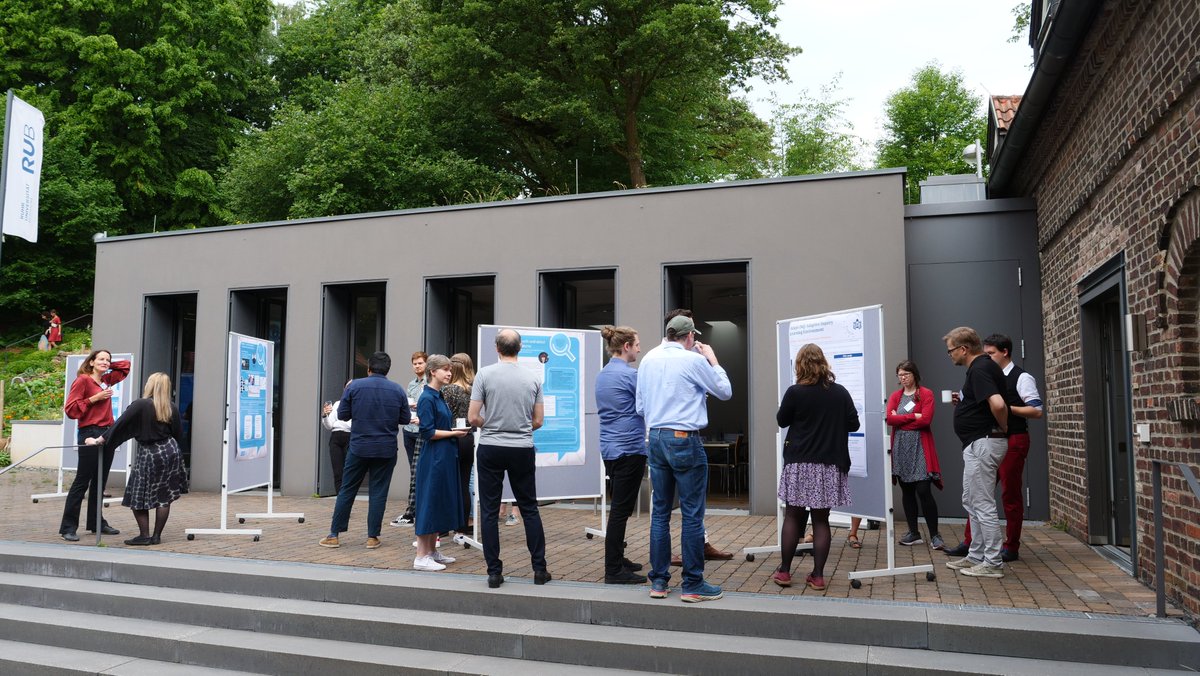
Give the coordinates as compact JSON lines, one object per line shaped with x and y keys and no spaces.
{"x":682,"y":325}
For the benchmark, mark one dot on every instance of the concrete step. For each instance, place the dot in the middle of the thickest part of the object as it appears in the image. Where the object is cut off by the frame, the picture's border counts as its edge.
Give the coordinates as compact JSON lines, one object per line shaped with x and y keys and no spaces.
{"x":31,"y":659}
{"x":187,"y":648}
{"x":564,"y":622}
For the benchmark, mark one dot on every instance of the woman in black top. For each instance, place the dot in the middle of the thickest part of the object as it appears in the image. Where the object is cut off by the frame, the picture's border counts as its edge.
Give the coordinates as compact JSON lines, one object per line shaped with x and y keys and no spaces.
{"x":819,"y":414}
{"x":158,"y":476}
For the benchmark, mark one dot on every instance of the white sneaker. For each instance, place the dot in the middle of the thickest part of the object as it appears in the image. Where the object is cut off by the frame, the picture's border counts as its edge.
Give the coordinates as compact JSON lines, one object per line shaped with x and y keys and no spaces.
{"x":401,"y":520}
{"x":427,"y":563}
{"x":460,"y":538}
{"x":984,"y":570}
{"x":512,"y":520}
{"x":442,"y":558}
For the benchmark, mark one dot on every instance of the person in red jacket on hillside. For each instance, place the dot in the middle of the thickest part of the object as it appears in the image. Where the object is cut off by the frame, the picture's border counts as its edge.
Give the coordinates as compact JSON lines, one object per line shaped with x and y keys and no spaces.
{"x":914,"y":456}
{"x":90,"y":404}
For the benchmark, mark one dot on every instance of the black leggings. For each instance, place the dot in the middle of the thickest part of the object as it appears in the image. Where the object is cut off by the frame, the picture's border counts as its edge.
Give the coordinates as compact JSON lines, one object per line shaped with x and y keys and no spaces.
{"x":911,"y":493}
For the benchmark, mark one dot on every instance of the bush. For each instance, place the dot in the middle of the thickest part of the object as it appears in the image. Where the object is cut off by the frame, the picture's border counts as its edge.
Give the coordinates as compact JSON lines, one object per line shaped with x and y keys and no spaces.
{"x":39,"y":393}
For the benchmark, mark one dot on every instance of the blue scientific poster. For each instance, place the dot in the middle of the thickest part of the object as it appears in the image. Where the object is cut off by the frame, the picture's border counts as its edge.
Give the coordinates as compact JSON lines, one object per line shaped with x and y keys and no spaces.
{"x":556,"y":357}
{"x":253,"y":399}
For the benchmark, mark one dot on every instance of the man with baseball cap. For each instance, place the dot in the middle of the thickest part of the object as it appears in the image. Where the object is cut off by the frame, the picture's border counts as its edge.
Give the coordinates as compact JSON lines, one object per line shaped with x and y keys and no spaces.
{"x":672,"y":384}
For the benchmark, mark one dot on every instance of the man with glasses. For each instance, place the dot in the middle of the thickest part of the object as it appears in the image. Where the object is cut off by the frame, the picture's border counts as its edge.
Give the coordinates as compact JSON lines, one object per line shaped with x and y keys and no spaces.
{"x":981,"y":423}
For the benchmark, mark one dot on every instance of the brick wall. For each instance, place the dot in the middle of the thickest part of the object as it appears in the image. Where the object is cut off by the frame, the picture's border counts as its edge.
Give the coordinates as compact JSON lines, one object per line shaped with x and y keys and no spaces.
{"x":1115,"y":168}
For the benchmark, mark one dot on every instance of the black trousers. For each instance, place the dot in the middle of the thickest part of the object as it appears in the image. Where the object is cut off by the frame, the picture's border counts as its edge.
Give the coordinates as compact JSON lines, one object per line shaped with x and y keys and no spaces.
{"x":518,"y":462}
{"x":338,"y":442}
{"x":626,"y":474}
{"x":86,"y":481}
{"x":466,"y":460}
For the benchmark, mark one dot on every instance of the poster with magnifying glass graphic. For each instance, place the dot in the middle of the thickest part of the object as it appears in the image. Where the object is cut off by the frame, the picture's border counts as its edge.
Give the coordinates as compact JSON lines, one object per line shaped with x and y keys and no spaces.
{"x":554,"y":356}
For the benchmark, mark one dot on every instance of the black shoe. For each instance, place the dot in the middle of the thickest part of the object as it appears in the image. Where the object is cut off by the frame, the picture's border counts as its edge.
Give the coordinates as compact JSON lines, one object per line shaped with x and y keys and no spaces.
{"x":495,"y":581}
{"x":109,"y":530}
{"x":625,"y":577}
{"x":70,"y":536}
{"x":541,"y":576}
{"x":1008,"y":556}
{"x":140,"y":541}
{"x":631,"y":566}
{"x":958,"y":552}
{"x":155,"y":540}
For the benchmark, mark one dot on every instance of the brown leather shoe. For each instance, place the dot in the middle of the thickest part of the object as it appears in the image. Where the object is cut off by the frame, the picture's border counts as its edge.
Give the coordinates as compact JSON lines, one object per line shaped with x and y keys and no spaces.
{"x":711,"y":553}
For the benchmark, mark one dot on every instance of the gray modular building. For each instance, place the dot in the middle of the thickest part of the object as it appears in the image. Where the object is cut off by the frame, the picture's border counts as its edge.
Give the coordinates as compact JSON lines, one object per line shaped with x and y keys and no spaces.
{"x":329,"y":291}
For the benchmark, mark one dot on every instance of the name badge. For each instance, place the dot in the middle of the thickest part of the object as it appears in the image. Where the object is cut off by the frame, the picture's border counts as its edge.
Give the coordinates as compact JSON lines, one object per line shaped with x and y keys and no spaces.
{"x":910,"y":406}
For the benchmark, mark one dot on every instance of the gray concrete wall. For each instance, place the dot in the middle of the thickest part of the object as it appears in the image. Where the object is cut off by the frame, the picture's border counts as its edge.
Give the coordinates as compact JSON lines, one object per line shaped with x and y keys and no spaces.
{"x":813,"y":244}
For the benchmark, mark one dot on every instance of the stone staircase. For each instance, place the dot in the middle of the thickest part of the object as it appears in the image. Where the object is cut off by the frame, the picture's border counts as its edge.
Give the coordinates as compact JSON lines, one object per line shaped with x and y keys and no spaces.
{"x":76,"y":610}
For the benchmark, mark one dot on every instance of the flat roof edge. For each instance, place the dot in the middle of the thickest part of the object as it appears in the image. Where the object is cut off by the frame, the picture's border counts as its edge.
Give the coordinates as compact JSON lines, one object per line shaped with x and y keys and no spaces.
{"x":514,"y":203}
{"x":995,"y":205}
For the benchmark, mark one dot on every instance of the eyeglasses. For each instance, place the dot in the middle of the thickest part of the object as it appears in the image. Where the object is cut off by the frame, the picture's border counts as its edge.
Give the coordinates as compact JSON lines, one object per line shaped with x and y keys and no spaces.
{"x":951,"y":350}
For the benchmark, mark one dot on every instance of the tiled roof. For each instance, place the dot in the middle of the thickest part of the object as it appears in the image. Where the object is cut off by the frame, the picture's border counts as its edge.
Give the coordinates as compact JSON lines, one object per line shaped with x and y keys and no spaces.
{"x":1005,"y":109}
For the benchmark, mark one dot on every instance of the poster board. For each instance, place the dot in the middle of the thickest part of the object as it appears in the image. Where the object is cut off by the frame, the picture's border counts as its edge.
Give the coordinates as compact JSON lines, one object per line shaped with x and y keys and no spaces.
{"x":569,"y":464}
{"x":123,"y":393}
{"x":249,"y":423}
{"x":852,"y":341}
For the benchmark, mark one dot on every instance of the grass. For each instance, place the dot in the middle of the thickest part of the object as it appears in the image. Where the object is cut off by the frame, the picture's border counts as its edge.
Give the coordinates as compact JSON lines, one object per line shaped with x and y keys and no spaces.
{"x":40,"y":395}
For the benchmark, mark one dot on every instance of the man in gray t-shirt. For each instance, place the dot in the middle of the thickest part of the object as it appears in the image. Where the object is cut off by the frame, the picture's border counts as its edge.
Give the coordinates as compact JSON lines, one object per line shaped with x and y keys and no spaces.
{"x":506,"y":406}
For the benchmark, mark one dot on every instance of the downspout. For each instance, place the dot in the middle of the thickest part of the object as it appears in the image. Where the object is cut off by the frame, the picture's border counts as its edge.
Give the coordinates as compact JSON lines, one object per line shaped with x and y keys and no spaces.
{"x":1067,"y":29}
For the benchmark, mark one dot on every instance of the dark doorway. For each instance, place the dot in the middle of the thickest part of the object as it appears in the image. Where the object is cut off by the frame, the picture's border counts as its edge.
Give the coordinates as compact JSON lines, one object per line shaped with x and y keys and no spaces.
{"x":169,"y":346}
{"x":1106,"y":416}
{"x":262,"y":313}
{"x":577,"y":299}
{"x":717,"y":294}
{"x":351,"y":331}
{"x":995,"y":309}
{"x":454,"y":308}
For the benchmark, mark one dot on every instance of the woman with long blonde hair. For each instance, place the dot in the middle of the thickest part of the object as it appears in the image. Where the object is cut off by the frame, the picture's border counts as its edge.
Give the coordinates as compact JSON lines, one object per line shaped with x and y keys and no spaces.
{"x":458,"y":398}
{"x":157,"y":477}
{"x":819,"y":416}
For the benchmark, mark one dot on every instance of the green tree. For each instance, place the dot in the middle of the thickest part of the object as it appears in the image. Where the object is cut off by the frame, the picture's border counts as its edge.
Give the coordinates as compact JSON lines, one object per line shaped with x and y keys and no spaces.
{"x":928,"y":124}
{"x":603,"y":83}
{"x":144,"y":100}
{"x":815,"y":134}
{"x":365,"y":148}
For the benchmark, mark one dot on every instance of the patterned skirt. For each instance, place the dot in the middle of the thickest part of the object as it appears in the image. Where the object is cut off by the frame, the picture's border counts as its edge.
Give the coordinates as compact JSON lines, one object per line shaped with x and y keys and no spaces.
{"x":157,"y":477}
{"x":813,"y":485}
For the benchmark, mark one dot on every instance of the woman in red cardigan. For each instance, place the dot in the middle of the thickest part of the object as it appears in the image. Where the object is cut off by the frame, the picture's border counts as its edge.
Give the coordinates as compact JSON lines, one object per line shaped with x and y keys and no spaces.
{"x":90,"y":404}
{"x":914,"y":456}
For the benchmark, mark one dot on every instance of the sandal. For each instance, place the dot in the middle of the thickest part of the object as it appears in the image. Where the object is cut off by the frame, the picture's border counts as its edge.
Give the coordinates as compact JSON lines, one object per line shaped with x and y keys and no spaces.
{"x":852,"y":541}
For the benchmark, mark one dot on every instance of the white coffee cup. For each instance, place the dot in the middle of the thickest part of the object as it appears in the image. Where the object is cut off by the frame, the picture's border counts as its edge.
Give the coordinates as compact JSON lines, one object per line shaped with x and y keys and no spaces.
{"x":460,"y":422}
{"x":946,"y":396}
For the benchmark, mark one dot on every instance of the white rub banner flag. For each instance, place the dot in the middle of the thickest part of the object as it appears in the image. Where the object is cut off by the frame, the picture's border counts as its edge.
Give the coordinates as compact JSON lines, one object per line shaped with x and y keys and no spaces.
{"x":23,"y":148}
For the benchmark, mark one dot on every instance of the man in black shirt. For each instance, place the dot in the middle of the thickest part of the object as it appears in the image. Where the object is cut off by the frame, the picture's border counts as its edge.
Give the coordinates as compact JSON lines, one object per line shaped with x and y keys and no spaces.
{"x":981,"y":423}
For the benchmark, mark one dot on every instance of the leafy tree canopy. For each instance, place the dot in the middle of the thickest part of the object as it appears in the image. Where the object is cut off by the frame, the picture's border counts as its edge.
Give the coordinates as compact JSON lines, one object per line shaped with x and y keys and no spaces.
{"x":144,"y":100}
{"x":817,"y":138}
{"x":928,"y":124}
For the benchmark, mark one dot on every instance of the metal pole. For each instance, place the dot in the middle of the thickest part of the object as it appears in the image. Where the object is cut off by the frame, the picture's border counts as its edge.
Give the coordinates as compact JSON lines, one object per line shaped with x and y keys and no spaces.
{"x":98,"y":495}
{"x":4,"y":162}
{"x":1160,"y":586}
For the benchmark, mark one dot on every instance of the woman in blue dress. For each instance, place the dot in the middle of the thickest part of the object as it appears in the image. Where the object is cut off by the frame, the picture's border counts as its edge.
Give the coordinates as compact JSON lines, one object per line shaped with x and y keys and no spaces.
{"x":439,"y":502}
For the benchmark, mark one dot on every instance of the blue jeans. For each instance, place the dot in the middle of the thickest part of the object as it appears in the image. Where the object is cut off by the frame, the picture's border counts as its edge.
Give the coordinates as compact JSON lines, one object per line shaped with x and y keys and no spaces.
{"x":677,"y":462}
{"x":352,"y":477}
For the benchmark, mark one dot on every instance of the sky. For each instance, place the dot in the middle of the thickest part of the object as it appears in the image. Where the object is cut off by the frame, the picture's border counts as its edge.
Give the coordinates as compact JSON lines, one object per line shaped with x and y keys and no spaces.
{"x":877,"y":45}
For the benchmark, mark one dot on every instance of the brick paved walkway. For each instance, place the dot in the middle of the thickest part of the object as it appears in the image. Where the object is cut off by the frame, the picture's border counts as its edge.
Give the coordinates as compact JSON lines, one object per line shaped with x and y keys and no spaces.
{"x":1056,"y":571}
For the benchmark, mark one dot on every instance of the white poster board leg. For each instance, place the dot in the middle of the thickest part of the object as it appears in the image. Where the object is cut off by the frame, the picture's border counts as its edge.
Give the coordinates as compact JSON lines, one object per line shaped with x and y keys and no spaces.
{"x":271,"y":513}
{"x":589,"y":532}
{"x":856,"y":576}
{"x":191,"y":533}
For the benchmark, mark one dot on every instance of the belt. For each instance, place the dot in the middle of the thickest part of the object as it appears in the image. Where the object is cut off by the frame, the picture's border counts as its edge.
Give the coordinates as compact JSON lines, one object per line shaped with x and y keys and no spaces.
{"x":996,"y":435}
{"x":678,"y":433}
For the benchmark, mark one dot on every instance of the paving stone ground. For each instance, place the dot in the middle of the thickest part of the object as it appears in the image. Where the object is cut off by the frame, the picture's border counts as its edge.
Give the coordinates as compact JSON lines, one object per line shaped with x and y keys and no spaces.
{"x":1056,"y":571}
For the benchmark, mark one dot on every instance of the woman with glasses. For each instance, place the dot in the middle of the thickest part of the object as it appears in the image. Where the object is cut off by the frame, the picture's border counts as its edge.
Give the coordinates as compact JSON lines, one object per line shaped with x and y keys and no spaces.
{"x":914,"y":456}
{"x":458,"y":396}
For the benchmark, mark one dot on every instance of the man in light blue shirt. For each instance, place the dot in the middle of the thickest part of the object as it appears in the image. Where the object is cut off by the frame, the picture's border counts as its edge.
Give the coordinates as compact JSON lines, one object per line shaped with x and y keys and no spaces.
{"x":672,"y":384}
